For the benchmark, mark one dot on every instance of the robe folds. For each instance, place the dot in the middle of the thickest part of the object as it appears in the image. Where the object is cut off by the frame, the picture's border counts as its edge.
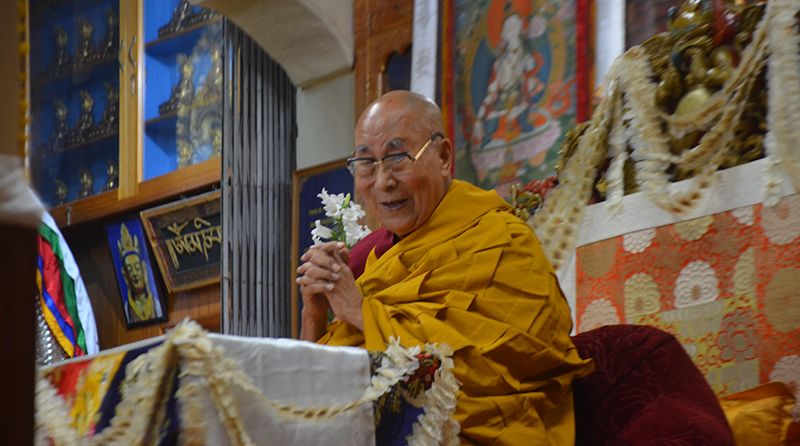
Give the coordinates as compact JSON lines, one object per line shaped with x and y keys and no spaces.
{"x":474,"y":276}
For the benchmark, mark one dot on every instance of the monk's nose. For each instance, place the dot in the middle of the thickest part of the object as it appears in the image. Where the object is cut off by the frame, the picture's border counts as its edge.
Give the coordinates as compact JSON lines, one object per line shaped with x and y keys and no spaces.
{"x":384,"y":179}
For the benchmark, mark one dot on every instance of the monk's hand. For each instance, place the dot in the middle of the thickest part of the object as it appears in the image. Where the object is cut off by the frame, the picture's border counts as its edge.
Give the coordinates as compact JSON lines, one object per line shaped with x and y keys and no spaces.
{"x":326,"y":272}
{"x":314,"y":275}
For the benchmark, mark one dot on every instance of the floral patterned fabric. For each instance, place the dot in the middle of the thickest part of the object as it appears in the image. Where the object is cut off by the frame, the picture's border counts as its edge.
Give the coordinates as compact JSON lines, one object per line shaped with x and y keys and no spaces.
{"x":726,"y":285}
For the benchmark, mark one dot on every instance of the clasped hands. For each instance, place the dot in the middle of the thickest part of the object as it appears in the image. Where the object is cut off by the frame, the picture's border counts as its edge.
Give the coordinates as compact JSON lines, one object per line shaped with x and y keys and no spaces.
{"x":326,"y":281}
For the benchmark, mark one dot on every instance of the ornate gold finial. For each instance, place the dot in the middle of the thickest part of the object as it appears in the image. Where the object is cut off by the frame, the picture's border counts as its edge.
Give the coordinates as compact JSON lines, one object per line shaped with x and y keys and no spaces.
{"x":126,"y":244}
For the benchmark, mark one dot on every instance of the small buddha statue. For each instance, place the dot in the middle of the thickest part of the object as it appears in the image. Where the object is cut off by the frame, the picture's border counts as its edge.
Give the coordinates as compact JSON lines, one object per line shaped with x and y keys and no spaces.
{"x":212,"y":87}
{"x":60,"y":130}
{"x":109,"y":44}
{"x":60,"y":61}
{"x":185,"y":152}
{"x":85,"y":51}
{"x":113,"y":176}
{"x":87,"y":183}
{"x":183,"y":91}
{"x":109,"y":122}
{"x":215,"y":132}
{"x":179,"y":20}
{"x":85,"y":122}
{"x":61,"y":191}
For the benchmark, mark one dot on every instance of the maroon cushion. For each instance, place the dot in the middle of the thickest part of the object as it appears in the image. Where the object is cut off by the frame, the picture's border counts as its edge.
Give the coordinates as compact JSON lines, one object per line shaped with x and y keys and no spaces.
{"x":645,"y":391}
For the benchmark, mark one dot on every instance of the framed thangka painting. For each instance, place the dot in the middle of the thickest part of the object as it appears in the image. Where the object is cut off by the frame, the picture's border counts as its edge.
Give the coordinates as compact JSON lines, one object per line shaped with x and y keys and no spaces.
{"x":142,"y":303}
{"x":517,"y":76}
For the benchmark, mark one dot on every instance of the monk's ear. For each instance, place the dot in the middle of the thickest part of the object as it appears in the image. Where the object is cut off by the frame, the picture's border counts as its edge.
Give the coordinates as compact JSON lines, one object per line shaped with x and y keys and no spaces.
{"x":446,"y":157}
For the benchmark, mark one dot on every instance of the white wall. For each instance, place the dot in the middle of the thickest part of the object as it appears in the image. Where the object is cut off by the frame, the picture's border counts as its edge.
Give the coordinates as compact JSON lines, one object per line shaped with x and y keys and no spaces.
{"x":325,"y":121}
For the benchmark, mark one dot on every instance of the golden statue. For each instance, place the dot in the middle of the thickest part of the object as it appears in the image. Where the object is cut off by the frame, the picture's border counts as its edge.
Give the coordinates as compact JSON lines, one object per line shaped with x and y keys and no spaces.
{"x":61,"y":191}
{"x":216,"y":141}
{"x":212,"y":87}
{"x":112,"y":182}
{"x":183,"y":92}
{"x":140,"y":304}
{"x":87,"y":183}
{"x":185,"y":152}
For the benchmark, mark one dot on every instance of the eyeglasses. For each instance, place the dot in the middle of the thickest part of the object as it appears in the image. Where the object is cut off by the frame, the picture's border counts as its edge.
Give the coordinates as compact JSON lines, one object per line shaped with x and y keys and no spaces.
{"x":395,"y":163}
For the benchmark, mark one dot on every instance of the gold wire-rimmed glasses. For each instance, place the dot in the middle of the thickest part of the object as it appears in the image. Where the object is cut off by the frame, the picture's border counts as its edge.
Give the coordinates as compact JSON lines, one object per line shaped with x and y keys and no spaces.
{"x":395,"y":163}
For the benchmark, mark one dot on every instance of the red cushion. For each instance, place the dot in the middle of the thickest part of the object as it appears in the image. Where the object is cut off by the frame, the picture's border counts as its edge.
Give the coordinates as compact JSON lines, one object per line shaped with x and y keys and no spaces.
{"x":645,"y":391}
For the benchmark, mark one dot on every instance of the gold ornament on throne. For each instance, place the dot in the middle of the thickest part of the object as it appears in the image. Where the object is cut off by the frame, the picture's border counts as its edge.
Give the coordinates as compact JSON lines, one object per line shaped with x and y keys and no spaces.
{"x":524,"y":203}
{"x":689,"y":63}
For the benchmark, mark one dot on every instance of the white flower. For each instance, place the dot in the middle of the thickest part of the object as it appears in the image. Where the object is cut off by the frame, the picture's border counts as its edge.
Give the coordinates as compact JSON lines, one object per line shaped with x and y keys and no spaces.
{"x":354,"y":232}
{"x":599,"y":313}
{"x":638,"y":241}
{"x":345,"y":215}
{"x":696,"y":284}
{"x":641,"y":295}
{"x":320,"y":232}
{"x":333,"y":203}
{"x":781,"y":223}
{"x":787,"y":370}
{"x":745,"y":215}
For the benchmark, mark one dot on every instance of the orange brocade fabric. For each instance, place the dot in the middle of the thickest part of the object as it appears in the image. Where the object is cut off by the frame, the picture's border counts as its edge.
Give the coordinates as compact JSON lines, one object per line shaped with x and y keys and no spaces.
{"x":474,"y":277}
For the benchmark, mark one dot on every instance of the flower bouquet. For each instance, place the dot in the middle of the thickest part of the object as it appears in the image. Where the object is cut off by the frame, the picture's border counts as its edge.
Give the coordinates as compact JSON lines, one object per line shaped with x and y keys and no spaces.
{"x":344,"y":215}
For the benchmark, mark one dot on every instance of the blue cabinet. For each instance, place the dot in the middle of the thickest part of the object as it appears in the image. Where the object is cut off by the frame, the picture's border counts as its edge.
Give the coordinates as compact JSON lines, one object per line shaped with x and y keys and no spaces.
{"x":126,"y":103}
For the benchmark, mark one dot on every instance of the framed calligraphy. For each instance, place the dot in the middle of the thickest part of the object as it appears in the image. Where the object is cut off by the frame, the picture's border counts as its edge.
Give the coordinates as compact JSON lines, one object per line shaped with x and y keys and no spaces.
{"x":142,"y":303}
{"x":186,"y":238}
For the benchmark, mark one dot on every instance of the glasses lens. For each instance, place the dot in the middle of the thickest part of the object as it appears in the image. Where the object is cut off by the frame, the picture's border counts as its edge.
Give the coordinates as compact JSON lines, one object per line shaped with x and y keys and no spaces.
{"x":362,"y":168}
{"x":398,"y":164}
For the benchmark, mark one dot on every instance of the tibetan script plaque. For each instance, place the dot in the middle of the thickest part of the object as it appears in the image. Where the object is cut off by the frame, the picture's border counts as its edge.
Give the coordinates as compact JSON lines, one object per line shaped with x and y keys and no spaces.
{"x":186,"y":237}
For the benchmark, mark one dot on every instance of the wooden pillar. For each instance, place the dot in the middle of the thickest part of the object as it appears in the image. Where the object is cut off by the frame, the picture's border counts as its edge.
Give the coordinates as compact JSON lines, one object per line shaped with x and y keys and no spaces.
{"x":17,"y":332}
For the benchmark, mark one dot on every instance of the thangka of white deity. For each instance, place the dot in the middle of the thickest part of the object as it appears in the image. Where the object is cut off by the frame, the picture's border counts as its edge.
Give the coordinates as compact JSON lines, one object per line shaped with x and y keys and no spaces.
{"x":514,"y":88}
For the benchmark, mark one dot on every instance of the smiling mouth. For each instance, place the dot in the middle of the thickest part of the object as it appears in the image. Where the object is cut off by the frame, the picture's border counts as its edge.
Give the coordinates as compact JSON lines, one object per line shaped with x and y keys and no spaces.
{"x":393,"y":205}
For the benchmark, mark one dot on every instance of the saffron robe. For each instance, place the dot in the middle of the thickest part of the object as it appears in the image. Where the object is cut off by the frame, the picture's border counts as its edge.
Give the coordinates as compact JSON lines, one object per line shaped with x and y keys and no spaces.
{"x":474,"y":276}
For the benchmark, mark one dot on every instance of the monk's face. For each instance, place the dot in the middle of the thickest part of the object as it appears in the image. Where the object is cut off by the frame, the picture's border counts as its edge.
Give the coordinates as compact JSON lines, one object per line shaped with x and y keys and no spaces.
{"x":402,"y":203}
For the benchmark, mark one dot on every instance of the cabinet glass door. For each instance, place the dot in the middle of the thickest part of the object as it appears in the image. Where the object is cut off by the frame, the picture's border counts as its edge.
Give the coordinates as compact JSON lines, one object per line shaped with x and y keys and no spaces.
{"x":74,"y":69}
{"x":182,"y":86}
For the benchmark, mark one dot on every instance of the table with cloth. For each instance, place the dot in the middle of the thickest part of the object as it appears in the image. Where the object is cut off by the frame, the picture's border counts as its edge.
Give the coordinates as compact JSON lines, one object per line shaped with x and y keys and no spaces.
{"x":190,"y":387}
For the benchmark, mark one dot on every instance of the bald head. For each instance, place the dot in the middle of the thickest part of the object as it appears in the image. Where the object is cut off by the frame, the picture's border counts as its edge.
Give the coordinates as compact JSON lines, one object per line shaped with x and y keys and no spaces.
{"x":428,"y":116}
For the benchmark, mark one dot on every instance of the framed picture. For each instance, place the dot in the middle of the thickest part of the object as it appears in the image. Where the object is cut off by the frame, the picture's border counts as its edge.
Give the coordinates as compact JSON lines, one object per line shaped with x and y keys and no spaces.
{"x":186,"y":238}
{"x":516,"y":77}
{"x":307,"y":209}
{"x":142,"y":303}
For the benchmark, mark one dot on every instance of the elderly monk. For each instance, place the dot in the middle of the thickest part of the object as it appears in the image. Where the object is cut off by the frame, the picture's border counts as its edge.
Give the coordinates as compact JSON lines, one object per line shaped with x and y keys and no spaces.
{"x":460,"y":269}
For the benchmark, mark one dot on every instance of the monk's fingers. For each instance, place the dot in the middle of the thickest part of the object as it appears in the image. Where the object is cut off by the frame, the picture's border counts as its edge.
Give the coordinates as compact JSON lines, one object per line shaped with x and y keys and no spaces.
{"x":313,"y":287}
{"x":344,"y":254}
{"x":322,"y":259}
{"x":314,"y":271}
{"x":327,"y":247}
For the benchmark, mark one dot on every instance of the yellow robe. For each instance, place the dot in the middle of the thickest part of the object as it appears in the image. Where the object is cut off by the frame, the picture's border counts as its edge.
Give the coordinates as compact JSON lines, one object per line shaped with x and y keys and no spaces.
{"x":474,"y":276}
